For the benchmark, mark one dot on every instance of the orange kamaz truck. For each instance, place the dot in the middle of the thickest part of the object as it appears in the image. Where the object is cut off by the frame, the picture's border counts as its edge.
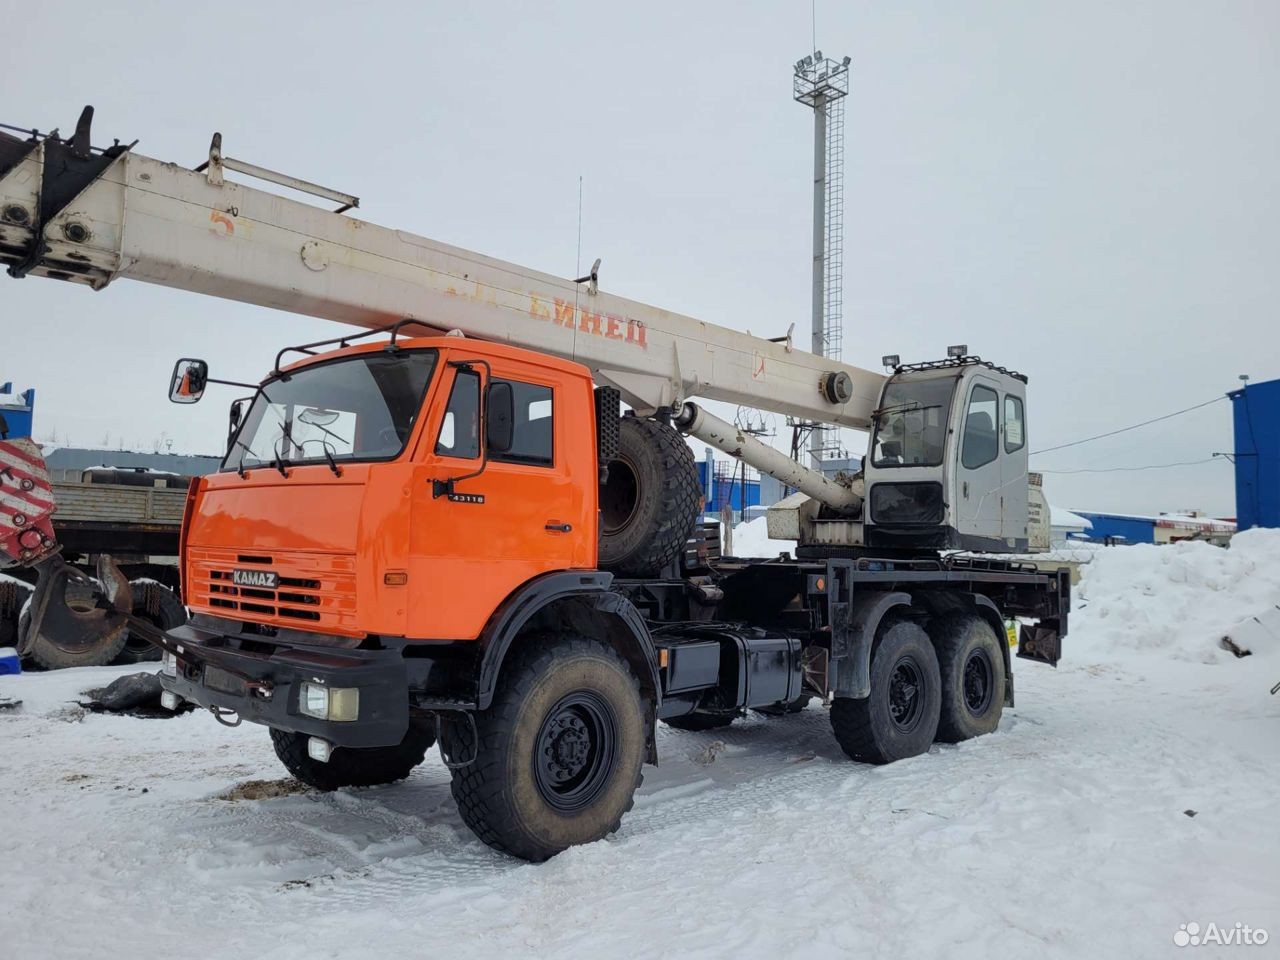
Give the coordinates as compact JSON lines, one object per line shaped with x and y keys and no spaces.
{"x":442,"y":528}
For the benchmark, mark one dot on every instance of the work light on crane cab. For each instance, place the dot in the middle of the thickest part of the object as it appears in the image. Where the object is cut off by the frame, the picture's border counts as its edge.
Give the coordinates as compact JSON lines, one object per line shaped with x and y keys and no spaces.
{"x":958,"y":351}
{"x":891,"y":360}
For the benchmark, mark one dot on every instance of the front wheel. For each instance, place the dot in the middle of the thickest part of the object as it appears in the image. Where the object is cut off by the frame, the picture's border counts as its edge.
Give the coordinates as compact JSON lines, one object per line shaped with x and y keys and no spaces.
{"x":559,"y":752}
{"x":900,"y":717}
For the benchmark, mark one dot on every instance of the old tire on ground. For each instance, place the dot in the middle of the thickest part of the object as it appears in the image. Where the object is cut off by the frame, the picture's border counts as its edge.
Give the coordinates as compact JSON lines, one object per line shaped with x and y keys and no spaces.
{"x":783,"y":709}
{"x":157,"y":604}
{"x":53,"y":654}
{"x":971,"y":665}
{"x":701,"y":721}
{"x":559,"y":752}
{"x":649,"y":504}
{"x":353,"y":767}
{"x":13,"y":597}
{"x":900,"y":717}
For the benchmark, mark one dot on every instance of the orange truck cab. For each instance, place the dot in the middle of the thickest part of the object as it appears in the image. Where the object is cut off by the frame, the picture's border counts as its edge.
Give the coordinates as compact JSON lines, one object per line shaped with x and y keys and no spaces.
{"x":329,"y":514}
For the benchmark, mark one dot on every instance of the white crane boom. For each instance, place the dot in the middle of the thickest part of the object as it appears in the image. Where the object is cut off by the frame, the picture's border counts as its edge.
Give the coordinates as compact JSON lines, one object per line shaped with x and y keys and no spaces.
{"x":91,"y":217}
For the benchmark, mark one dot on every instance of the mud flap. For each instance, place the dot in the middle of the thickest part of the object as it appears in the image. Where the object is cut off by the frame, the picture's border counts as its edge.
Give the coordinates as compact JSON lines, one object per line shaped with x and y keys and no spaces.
{"x":1042,"y":642}
{"x":83,"y":627}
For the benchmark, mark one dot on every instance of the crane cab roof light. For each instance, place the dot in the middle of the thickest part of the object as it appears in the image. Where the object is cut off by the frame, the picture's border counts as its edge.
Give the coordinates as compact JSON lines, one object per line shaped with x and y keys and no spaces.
{"x":958,"y":351}
{"x":891,"y":360}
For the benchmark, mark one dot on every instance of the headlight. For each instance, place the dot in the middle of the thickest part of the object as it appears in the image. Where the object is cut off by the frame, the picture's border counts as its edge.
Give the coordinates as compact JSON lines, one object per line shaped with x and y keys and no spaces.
{"x":329,"y":703}
{"x":169,"y":665}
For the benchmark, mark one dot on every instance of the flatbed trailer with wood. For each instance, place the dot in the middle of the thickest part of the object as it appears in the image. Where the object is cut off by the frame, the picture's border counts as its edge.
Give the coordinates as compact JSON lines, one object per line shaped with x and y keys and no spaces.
{"x":443,"y":527}
{"x":136,"y":518}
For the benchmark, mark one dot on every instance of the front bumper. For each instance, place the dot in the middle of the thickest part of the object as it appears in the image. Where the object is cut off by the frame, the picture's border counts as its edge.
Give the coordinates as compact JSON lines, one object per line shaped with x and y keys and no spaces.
{"x":260,"y":683}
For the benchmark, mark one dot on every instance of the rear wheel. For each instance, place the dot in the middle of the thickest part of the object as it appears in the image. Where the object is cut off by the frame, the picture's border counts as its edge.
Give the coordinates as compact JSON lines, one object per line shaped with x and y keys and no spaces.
{"x":352,"y":766}
{"x":971,"y":664}
{"x":900,"y":717}
{"x":649,"y":503}
{"x":559,"y":752}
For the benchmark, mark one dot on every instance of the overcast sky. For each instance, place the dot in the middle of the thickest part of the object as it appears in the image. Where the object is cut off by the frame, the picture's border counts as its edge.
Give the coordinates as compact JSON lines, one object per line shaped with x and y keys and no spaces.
{"x":1086,"y":192}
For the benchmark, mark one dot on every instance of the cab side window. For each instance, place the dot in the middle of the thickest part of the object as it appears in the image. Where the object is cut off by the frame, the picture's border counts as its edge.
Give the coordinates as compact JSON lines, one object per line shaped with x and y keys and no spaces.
{"x":533,"y":435}
{"x":1015,"y":432}
{"x":460,"y":430}
{"x":981,"y":436}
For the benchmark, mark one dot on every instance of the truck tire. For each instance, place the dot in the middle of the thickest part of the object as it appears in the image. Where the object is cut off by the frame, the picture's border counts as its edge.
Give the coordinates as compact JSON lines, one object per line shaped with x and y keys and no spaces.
{"x":49,"y":654}
{"x":14,"y":595}
{"x":701,"y":721}
{"x":157,"y":604}
{"x":971,"y":665}
{"x":900,"y":717}
{"x":558,"y":755}
{"x":649,"y":503}
{"x":351,"y":766}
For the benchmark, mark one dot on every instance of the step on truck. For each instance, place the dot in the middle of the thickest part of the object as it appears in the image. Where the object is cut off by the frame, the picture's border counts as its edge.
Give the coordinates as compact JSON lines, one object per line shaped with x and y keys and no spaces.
{"x":443,"y":529}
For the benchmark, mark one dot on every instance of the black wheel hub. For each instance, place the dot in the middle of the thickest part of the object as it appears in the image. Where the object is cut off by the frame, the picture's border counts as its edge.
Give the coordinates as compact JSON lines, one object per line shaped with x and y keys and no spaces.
{"x":576,"y":748}
{"x":906,"y":700}
{"x":979,"y":682}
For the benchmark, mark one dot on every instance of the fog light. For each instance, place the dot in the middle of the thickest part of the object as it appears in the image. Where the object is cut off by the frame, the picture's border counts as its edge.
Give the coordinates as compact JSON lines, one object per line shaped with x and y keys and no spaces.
{"x":169,"y":665}
{"x":169,"y":700}
{"x":319,"y":750}
{"x":329,"y":703}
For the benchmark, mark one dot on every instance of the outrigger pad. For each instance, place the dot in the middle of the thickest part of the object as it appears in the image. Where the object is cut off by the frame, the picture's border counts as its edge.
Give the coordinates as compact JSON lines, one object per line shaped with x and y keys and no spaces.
{"x":26,"y":505}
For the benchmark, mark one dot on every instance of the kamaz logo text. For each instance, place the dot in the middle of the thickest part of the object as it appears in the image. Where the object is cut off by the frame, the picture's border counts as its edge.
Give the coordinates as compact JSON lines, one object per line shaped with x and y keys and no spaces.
{"x":265,"y":579}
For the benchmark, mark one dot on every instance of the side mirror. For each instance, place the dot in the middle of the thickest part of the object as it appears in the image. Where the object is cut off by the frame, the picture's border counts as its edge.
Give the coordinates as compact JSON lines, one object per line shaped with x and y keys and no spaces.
{"x":190,"y":377}
{"x":499,"y":417}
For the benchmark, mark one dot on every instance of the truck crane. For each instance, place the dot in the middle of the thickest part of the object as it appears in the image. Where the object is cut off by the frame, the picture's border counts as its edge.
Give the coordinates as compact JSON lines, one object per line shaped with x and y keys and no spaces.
{"x":441,"y":527}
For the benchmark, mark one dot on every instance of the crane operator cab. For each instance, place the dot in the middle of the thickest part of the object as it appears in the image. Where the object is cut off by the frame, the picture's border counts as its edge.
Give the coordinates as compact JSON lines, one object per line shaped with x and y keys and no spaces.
{"x":947,"y":463}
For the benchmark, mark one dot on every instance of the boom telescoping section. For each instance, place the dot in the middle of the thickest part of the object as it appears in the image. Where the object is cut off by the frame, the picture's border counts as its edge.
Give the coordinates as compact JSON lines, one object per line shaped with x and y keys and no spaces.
{"x":71,"y":212}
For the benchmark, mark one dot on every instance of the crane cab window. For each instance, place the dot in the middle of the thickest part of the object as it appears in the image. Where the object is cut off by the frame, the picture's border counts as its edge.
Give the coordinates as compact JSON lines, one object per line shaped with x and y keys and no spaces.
{"x":981,"y":434}
{"x":1015,"y":433}
{"x":533,"y":435}
{"x":911,"y":423}
{"x":460,"y":429}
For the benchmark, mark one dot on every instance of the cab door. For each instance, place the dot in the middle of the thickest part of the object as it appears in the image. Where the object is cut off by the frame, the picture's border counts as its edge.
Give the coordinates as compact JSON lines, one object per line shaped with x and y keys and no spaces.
{"x":522,"y":515}
{"x":1014,"y":499}
{"x":978,"y":471}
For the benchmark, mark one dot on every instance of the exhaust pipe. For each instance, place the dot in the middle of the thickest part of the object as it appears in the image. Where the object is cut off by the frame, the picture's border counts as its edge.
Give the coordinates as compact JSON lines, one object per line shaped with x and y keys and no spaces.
{"x":724,"y":436}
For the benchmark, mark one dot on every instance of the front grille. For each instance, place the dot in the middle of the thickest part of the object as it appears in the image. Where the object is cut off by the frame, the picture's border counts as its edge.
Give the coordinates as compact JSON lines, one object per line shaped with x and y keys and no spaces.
{"x":313,"y":591}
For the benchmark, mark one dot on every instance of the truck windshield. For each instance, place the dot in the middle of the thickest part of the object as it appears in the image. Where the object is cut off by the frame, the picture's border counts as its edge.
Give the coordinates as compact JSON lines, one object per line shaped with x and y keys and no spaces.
{"x":357,"y":408}
{"x":911,"y":424}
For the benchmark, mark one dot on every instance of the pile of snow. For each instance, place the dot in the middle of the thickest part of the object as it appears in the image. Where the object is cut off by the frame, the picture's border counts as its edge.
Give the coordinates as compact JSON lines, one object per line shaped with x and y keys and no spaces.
{"x":751,"y":539}
{"x":1180,"y":600}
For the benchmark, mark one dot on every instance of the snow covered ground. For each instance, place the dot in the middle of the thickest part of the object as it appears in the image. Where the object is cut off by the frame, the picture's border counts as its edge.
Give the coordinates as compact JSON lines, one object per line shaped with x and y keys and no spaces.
{"x":1132,"y":790}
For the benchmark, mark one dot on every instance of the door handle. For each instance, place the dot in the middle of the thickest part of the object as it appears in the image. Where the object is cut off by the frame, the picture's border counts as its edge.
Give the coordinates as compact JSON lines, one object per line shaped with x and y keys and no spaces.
{"x":554,"y":526}
{"x":966,"y":489}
